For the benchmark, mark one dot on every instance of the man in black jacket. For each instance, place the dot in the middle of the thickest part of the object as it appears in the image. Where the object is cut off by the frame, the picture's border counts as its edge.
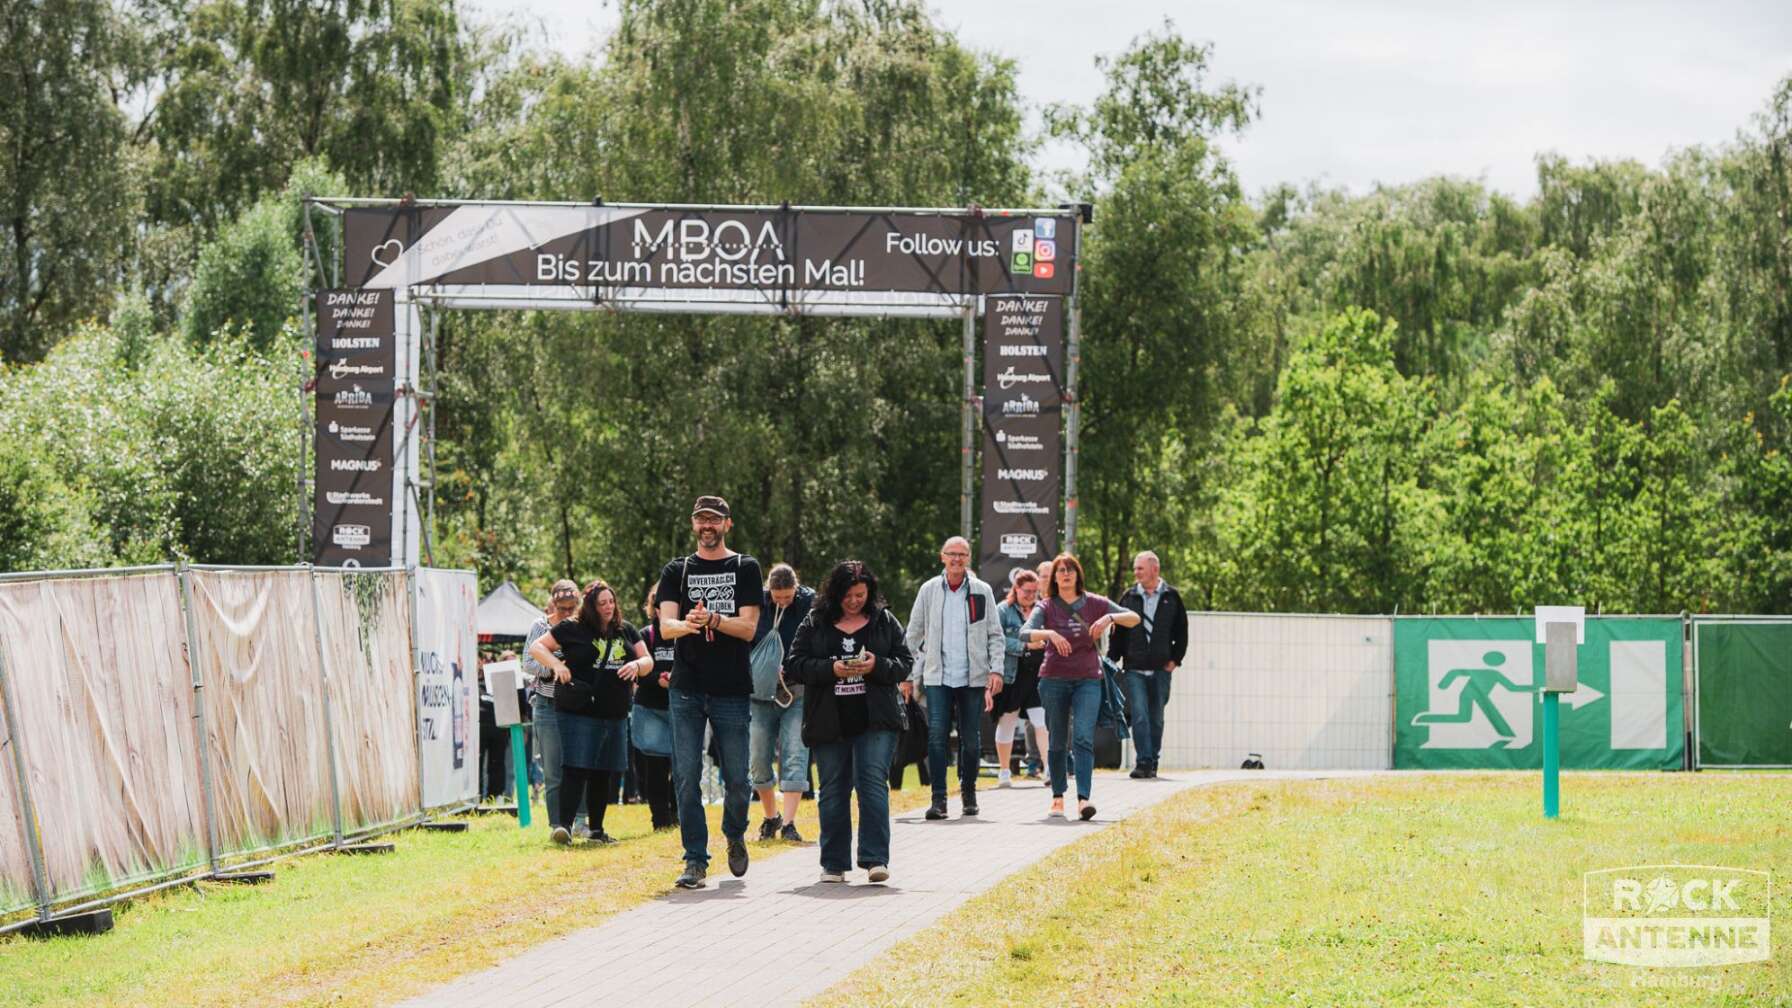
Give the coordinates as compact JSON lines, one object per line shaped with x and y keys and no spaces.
{"x":1150,"y":654}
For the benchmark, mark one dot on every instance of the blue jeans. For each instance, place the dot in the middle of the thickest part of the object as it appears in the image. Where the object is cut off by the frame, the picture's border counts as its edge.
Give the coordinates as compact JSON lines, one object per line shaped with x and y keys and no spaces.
{"x":1071,"y":706}
{"x":547,"y":735}
{"x":727,"y":716}
{"x":778,"y":732}
{"x":1145,"y":699}
{"x":859,"y":764}
{"x":942,"y":703}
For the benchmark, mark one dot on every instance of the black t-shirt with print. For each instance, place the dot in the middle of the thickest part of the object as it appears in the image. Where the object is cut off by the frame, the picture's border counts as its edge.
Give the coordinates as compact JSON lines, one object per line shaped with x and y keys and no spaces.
{"x":595,"y":661}
{"x":648,"y":691}
{"x":849,"y":694}
{"x":715,"y":663}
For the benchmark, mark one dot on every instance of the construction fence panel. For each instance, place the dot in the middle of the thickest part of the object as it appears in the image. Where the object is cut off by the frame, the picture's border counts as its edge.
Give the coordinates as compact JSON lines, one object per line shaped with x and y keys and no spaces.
{"x":256,"y":649}
{"x":102,"y":699}
{"x":1744,"y":695}
{"x":365,"y":622}
{"x":1305,"y":692}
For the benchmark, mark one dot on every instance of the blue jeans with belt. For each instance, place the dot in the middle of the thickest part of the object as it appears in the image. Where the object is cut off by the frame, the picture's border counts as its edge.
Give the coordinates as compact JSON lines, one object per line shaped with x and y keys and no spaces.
{"x":856,"y":765}
{"x":943,"y":702}
{"x":1071,"y":707}
{"x":728,"y":717}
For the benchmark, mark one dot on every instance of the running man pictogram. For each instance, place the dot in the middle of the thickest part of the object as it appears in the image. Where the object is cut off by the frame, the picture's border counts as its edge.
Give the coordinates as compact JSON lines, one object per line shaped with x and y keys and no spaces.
{"x":1476,"y":692}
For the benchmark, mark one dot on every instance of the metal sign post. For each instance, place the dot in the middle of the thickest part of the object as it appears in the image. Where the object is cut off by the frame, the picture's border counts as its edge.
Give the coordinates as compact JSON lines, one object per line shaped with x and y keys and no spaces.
{"x":1560,"y":629}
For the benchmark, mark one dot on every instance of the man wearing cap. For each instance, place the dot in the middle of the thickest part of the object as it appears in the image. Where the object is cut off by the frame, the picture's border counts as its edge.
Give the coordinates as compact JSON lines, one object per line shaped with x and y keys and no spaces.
{"x":563,"y":602}
{"x":709,"y":606}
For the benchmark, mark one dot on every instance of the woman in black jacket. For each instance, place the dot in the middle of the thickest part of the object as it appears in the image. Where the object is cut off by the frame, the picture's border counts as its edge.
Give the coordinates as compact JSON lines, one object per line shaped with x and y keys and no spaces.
{"x":850,"y":652}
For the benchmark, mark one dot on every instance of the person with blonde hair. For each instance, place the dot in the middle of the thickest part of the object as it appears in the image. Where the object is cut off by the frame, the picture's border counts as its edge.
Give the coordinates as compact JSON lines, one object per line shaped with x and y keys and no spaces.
{"x":563,"y":601}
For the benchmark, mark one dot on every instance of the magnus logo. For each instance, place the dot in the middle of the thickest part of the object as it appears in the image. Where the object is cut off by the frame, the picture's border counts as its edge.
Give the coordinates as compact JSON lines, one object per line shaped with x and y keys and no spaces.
{"x":1020,"y":350}
{"x":1676,"y":915}
{"x":354,"y":465}
{"x":354,"y":397}
{"x":1031,"y":475}
{"x":694,"y":238}
{"x":1009,"y":379}
{"x":1024,"y":406}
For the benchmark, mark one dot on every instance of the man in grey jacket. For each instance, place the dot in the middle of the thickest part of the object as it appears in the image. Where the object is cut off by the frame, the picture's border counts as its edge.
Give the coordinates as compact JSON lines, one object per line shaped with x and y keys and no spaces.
{"x":957,"y":642}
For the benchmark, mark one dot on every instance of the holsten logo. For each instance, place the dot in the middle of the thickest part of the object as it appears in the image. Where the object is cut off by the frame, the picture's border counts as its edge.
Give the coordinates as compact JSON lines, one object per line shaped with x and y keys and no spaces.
{"x":1676,"y":915}
{"x":1020,"y":350}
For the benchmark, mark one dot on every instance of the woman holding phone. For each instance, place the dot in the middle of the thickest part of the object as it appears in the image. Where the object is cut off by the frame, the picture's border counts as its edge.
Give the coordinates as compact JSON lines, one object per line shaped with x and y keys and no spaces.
{"x":851,"y":653}
{"x":601,"y":657}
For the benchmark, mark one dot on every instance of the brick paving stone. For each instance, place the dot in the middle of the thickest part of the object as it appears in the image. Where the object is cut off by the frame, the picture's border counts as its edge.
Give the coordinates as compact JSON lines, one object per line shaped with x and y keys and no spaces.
{"x":777,"y":936}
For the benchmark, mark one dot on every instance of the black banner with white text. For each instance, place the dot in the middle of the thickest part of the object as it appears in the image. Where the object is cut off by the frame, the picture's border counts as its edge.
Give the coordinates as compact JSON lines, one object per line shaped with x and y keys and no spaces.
{"x":1023,"y":397}
{"x":357,"y":361}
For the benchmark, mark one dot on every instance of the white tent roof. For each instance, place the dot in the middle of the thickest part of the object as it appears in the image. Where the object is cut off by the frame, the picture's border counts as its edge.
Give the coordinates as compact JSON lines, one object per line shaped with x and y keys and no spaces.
{"x":506,"y":612}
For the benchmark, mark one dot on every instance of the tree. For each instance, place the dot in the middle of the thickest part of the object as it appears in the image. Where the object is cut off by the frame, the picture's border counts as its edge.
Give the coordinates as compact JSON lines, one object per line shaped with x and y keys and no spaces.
{"x":66,"y":200}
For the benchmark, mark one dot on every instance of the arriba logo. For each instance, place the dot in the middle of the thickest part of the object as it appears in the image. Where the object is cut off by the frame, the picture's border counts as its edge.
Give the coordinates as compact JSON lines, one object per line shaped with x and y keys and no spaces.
{"x":354,"y":397}
{"x":1024,"y":406}
{"x":1676,"y":915}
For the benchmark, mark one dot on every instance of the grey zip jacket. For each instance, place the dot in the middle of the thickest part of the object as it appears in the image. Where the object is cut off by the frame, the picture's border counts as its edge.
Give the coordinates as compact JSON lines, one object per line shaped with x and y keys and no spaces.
{"x":985,"y":645}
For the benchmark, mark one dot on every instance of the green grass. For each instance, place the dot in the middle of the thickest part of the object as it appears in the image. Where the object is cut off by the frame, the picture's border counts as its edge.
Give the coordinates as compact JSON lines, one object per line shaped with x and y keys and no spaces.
{"x":364,"y":930}
{"x":1413,"y":890}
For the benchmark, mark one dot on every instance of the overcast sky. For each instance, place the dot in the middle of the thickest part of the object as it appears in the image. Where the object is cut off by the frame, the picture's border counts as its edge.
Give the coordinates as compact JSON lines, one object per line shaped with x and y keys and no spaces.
{"x":1367,"y":91}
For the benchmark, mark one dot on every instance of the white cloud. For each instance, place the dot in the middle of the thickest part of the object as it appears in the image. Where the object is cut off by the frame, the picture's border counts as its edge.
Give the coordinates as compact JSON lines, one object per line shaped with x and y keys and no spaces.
{"x":1363,"y":92}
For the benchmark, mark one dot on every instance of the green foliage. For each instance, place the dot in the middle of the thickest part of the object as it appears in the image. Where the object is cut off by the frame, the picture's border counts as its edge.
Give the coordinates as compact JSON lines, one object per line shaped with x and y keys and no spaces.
{"x":181,"y":456}
{"x":66,"y":196}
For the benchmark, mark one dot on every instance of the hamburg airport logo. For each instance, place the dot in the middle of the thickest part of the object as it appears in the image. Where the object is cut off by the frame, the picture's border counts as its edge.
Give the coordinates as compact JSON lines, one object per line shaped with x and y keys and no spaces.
{"x":1676,"y":915}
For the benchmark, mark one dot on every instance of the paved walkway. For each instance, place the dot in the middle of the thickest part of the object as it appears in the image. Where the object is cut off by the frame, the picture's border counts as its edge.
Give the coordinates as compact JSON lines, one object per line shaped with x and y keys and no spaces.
{"x":733,"y":929}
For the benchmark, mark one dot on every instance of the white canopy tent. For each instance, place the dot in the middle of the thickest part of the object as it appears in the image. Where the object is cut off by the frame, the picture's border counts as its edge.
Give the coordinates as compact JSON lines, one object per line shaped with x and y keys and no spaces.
{"x":506,"y":613}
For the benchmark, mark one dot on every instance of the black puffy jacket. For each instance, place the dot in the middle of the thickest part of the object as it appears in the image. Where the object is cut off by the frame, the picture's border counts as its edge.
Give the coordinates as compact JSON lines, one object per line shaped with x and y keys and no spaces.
{"x":811,"y":662}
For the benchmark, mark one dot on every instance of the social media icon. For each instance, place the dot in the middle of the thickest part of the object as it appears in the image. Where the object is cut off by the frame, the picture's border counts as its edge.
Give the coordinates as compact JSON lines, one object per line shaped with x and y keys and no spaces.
{"x":1023,"y":261}
{"x":1045,"y":250}
{"x":1023,"y":240}
{"x":1045,"y":227}
{"x":1044,"y":270}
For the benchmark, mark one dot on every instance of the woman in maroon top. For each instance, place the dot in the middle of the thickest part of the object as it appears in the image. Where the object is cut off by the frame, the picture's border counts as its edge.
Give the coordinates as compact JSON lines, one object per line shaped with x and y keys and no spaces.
{"x":1072,"y":622}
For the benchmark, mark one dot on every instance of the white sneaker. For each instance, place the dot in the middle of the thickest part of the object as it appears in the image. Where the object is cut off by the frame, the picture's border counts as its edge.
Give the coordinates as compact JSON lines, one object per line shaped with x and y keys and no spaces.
{"x":581,"y":832}
{"x":878,"y":873}
{"x":560,"y":836}
{"x":1004,"y":778}
{"x":833,"y":876}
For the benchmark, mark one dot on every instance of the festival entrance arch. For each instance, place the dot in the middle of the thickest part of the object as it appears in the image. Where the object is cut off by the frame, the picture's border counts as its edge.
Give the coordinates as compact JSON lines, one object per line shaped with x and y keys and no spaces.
{"x":405,"y":261}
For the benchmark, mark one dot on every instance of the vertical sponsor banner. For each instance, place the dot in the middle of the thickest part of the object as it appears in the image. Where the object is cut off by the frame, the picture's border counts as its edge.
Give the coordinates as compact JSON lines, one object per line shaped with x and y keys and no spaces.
{"x":357,"y":361}
{"x":1023,"y":391}
{"x":1468,"y":695}
{"x":447,"y":694}
{"x":1745,"y":691}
